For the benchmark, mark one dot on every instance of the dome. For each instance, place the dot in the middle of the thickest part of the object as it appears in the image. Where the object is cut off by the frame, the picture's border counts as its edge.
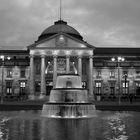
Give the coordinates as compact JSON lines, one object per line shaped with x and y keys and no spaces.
{"x":60,"y":26}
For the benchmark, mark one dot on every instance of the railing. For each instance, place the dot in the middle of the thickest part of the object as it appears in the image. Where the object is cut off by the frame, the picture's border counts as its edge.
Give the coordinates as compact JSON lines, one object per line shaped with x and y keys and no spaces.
{"x":123,"y":97}
{"x":15,"y":97}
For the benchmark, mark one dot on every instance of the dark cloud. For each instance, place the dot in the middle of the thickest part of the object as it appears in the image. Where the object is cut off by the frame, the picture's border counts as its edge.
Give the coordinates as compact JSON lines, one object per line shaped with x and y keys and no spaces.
{"x":103,"y":23}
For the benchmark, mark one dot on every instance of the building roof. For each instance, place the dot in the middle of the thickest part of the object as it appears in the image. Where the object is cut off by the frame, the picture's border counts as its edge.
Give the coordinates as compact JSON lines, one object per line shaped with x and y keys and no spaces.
{"x":14,"y":52}
{"x":58,"y":27}
{"x":117,"y":51}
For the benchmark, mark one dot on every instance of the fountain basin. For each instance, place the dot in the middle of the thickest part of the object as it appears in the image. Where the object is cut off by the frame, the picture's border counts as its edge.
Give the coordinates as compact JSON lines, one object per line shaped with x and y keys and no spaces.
{"x":68,"y":110}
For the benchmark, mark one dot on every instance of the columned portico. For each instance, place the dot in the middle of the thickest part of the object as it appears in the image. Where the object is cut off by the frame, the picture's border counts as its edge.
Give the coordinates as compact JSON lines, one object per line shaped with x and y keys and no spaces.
{"x":65,"y":66}
{"x":54,"y":69}
{"x":32,"y":78}
{"x":43,"y":82}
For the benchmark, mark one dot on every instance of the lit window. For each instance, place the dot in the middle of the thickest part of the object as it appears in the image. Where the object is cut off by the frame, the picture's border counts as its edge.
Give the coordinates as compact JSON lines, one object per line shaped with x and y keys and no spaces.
{"x":138,"y":73}
{"x":9,"y":87}
{"x":137,"y":84}
{"x":112,"y":74}
{"x":99,"y":74}
{"x":22,"y":88}
{"x":125,"y":85}
{"x":22,"y":84}
{"x":125,"y":88}
{"x":98,"y":84}
{"x":98,"y":87}
{"x":9,"y":72}
{"x":83,"y":84}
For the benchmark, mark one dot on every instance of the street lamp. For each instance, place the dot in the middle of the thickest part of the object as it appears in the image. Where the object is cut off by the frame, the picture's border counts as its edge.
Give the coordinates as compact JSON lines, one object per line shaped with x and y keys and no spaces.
{"x":2,"y":57}
{"x":118,"y":60}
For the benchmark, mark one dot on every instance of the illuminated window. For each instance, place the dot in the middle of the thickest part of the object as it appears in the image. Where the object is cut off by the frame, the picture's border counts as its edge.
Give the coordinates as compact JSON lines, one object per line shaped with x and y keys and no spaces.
{"x":9,"y":72}
{"x":98,"y":86}
{"x":137,"y":85}
{"x":138,"y":74}
{"x":125,"y":87}
{"x":112,"y":74}
{"x":84,"y":84}
{"x":98,"y":74}
{"x":22,"y":87}
{"x":9,"y":87}
{"x":22,"y":84}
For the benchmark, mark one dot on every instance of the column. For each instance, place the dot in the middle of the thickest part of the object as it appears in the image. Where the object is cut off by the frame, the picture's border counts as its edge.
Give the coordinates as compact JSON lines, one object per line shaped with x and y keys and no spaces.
{"x":80,"y":66}
{"x":91,"y":75}
{"x":32,"y":79}
{"x":67,"y":64}
{"x":54,"y":70}
{"x":43,"y":82}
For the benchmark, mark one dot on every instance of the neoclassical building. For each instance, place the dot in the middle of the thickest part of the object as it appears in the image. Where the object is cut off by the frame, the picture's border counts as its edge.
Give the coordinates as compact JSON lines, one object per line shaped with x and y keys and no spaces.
{"x":60,"y":49}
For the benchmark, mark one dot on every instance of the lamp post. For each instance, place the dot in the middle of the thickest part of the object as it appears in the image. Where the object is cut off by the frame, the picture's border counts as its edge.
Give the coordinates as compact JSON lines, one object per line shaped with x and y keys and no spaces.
{"x":118,"y":60}
{"x":2,"y":57}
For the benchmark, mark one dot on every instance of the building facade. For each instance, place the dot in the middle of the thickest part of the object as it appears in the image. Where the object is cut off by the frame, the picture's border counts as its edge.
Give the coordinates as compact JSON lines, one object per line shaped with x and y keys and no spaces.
{"x":60,"y":49}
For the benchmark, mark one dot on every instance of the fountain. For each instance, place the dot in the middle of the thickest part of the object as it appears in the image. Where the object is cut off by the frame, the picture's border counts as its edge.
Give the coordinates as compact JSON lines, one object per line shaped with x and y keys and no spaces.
{"x":68,"y":99}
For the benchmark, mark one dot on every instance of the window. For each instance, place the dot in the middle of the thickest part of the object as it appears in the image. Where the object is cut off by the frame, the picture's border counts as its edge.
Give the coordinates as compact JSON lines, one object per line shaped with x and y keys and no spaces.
{"x":98,"y":87}
{"x":22,"y":84}
{"x":112,"y":74}
{"x":22,"y":87}
{"x":22,"y":73}
{"x":137,"y":84}
{"x":112,"y":88}
{"x":9,"y":72}
{"x":9,"y":87}
{"x":84,"y":84}
{"x":138,"y":74}
{"x":125,"y":87}
{"x":99,"y":74}
{"x":125,"y":72}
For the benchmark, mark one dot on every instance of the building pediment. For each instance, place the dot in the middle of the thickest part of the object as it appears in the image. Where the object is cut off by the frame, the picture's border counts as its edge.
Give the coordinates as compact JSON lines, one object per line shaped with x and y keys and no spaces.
{"x":60,"y":40}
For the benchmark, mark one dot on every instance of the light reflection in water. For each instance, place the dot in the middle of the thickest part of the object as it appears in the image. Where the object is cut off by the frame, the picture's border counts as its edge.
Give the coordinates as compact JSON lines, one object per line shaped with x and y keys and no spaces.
{"x":117,"y":126}
{"x":3,"y":130}
{"x":29,"y":125}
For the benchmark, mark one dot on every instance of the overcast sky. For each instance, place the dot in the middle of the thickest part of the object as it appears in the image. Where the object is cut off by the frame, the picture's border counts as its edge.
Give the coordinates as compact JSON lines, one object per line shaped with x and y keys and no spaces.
{"x":102,"y":23}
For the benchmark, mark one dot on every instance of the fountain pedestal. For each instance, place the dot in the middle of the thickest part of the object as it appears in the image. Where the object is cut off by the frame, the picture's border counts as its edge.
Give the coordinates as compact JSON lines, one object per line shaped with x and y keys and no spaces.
{"x":68,"y":99}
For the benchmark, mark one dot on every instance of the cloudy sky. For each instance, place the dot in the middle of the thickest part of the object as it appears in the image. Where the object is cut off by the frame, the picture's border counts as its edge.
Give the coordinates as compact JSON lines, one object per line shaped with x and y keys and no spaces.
{"x":102,"y":23}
